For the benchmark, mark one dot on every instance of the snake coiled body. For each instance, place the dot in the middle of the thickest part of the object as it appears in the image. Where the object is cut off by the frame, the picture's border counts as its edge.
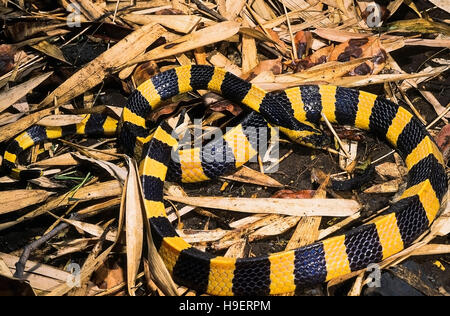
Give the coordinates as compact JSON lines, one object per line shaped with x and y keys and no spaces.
{"x":297,"y":112}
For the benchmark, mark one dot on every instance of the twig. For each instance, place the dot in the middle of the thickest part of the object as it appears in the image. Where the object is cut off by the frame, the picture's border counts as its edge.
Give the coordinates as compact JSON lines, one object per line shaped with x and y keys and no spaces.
{"x":213,"y":13}
{"x":437,"y":119}
{"x":115,"y":11}
{"x":279,"y":161}
{"x":336,"y":135}
{"x":411,"y":106}
{"x":20,"y":265}
{"x":294,"y":48}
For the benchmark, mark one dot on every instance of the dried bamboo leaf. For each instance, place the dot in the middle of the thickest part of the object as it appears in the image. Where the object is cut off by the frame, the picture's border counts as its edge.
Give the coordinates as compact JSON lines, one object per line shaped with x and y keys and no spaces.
{"x":179,"y":23}
{"x":117,"y":172}
{"x":293,"y":207}
{"x":199,"y":236}
{"x":332,"y":229}
{"x":323,"y":72}
{"x":274,"y":229}
{"x":206,"y":36}
{"x":307,"y":12}
{"x":390,"y":169}
{"x":247,"y":220}
{"x":358,"y":81}
{"x":41,"y":277}
{"x":8,"y":118}
{"x":9,"y":131}
{"x":134,"y":226}
{"x":337,"y":35}
{"x":92,"y":229}
{"x":72,"y":246}
{"x":8,"y":98}
{"x":68,"y":160}
{"x":50,"y":50}
{"x":91,"y":192}
{"x":90,"y":10}
{"x":419,"y":25}
{"x":14,"y":200}
{"x":385,"y":187}
{"x":357,"y":286}
{"x":431,"y":249}
{"x":237,"y":250}
{"x":306,"y":233}
{"x":93,"y":73}
{"x":428,"y":42}
{"x":61,"y":120}
{"x":4,"y":270}
{"x":248,"y":175}
{"x":173,"y":216}
{"x":249,"y":53}
{"x":442,"y":4}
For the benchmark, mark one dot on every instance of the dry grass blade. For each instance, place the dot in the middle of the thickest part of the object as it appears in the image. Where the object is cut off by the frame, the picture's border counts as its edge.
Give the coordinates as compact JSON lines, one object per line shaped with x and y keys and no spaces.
{"x":293,"y":207}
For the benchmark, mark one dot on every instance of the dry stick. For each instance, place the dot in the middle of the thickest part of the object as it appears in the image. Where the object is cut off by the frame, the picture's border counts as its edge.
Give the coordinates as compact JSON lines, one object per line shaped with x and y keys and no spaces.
{"x":117,"y":287}
{"x":20,"y":265}
{"x":115,"y":11}
{"x":257,"y":19}
{"x":75,"y":37}
{"x":336,"y":135}
{"x":213,"y":13}
{"x":411,"y":106}
{"x":83,"y":149}
{"x":60,"y":218}
{"x":261,"y":165}
{"x":279,"y":161}
{"x":294,"y":48}
{"x":447,"y":108}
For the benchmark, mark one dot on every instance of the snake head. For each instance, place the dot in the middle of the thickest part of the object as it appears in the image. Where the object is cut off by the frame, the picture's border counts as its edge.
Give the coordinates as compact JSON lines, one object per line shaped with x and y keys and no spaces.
{"x":313,"y":138}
